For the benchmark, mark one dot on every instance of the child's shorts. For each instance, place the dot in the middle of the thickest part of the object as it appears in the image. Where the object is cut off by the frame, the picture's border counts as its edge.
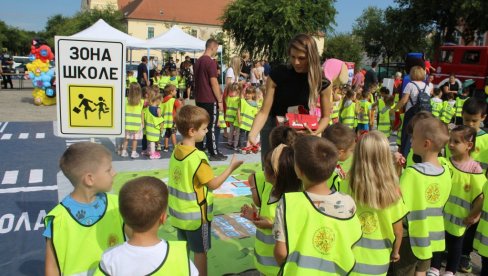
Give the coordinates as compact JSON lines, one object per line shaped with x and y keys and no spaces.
{"x":198,"y":240}
{"x":408,"y":263}
{"x":134,"y":135}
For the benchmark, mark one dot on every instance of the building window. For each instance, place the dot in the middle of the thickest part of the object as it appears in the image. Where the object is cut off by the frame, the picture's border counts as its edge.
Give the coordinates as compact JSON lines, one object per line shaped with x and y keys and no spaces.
{"x":471,"y":57}
{"x":150,"y":32}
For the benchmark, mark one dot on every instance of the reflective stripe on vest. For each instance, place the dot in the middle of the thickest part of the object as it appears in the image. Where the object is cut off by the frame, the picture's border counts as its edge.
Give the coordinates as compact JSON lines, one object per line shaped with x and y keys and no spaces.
{"x":384,"y":124}
{"x":329,"y":237}
{"x":152,"y":126}
{"x":80,"y":251}
{"x":436,"y":108}
{"x":187,"y":211}
{"x":448,"y":112}
{"x":222,"y":123}
{"x":133,"y":116}
{"x":369,"y":269}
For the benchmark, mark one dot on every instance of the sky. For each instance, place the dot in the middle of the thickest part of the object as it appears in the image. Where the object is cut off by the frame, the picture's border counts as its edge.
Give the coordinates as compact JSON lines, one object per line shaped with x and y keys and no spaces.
{"x":32,"y":15}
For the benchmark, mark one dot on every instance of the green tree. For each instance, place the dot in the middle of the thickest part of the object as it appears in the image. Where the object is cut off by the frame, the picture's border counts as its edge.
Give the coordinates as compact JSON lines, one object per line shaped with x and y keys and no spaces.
{"x":346,"y":47}
{"x":444,"y":17}
{"x":14,"y":40}
{"x":264,"y":27}
{"x":370,"y":27}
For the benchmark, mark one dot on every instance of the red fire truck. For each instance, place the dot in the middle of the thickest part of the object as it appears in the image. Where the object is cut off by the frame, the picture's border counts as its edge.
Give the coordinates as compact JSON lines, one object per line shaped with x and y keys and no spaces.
{"x":466,"y":62}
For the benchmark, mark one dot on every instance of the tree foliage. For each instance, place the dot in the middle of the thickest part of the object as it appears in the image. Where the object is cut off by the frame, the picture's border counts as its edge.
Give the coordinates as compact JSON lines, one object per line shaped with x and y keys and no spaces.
{"x":345,"y":47}
{"x":390,"y":33}
{"x":444,"y":17}
{"x":13,"y":40}
{"x":264,"y":27}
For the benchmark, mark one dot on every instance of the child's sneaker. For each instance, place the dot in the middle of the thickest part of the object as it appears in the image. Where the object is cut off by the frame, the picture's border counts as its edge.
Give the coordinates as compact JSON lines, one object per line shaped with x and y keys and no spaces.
{"x":155,"y":155}
{"x":145,"y":153}
{"x":433,"y":272}
{"x":465,"y":264}
{"x":158,"y":147}
{"x":134,"y":155}
{"x":166,"y":149}
{"x":124,"y":154}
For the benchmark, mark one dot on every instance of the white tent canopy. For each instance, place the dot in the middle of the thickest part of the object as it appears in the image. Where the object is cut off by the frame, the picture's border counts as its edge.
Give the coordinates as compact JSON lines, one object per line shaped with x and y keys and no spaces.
{"x":102,"y":30}
{"x":176,"y":40}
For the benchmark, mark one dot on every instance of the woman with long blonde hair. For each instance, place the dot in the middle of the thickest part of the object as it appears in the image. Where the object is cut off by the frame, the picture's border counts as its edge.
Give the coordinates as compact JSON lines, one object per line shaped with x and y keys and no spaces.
{"x":233,"y":71}
{"x":294,"y":84}
{"x":374,"y":186}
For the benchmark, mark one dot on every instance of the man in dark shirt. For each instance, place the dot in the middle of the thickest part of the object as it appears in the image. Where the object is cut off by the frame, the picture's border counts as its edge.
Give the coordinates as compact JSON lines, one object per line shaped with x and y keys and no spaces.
{"x":6,"y":62}
{"x":142,"y":72}
{"x":209,"y":97}
{"x":371,"y":77}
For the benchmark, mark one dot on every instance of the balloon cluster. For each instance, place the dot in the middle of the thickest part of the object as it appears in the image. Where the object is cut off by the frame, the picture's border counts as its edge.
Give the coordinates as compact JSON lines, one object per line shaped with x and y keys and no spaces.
{"x":40,"y":74}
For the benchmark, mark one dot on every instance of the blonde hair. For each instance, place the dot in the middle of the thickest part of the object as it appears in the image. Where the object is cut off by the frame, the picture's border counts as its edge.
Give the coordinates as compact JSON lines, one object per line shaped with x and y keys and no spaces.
{"x":305,"y":43}
{"x":134,"y":95}
{"x":235,"y":64}
{"x":417,"y":73}
{"x":372,"y":178}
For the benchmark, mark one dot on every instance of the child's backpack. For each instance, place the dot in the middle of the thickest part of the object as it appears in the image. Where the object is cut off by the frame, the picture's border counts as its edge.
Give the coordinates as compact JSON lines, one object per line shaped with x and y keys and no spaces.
{"x":423,"y":100}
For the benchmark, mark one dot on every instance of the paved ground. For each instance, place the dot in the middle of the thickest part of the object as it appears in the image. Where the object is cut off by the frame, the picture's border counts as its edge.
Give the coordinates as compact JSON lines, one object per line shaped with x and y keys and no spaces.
{"x":17,"y":106}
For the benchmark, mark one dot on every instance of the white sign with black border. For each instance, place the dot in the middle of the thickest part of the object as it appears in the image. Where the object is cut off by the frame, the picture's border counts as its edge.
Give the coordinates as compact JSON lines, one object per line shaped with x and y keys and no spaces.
{"x":90,"y":87}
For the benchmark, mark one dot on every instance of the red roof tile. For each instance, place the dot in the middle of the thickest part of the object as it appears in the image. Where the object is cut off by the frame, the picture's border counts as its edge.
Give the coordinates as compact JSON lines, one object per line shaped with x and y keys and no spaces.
{"x":204,"y":12}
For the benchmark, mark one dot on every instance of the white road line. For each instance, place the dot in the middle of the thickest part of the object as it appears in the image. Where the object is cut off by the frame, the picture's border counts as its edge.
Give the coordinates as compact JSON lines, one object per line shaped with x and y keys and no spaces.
{"x":35,"y":176}
{"x":40,"y":135}
{"x":28,"y":189}
{"x":4,"y":126}
{"x":6,"y":136}
{"x":10,"y":177}
{"x":23,"y":135}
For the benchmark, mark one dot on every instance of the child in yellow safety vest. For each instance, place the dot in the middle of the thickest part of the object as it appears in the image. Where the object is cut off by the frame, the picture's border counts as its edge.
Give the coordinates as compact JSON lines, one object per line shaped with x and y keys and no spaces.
{"x":156,"y":79}
{"x":232,"y":102}
{"x":365,"y":113}
{"x":347,"y":110}
{"x":169,"y":107}
{"x":246,"y":112}
{"x":191,"y":181}
{"x":384,"y":104}
{"x":467,"y":184}
{"x":153,"y":122}
{"x":482,"y":230}
{"x":279,"y":178}
{"x":336,"y":102}
{"x":134,"y":120}
{"x":425,"y":188}
{"x":87,"y":221}
{"x":145,"y":253}
{"x":448,"y":109}
{"x":380,"y":207}
{"x":436,"y":103}
{"x":310,"y":238}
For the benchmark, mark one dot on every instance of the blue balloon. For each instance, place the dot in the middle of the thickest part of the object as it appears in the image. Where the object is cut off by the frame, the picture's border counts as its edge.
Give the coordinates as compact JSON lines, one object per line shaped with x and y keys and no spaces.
{"x":49,"y":92}
{"x":32,"y":57}
{"x":51,"y":72}
{"x":45,"y":77}
{"x":34,"y":83}
{"x":43,"y":53}
{"x":31,"y":75}
{"x":46,"y":84}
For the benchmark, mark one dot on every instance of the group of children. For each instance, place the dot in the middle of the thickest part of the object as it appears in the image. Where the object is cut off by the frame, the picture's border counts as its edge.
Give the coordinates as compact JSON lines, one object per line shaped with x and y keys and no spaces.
{"x":360,"y":211}
{"x":149,"y":115}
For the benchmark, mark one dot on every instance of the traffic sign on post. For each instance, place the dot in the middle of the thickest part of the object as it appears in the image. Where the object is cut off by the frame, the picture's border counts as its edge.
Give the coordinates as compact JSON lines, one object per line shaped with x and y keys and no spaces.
{"x":90,"y":87}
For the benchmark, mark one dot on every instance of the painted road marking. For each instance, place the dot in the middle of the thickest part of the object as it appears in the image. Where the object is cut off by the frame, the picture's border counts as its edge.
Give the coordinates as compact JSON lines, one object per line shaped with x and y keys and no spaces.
{"x":10,"y":177}
{"x":35,"y":176}
{"x":28,"y":189}
{"x":40,"y":135}
{"x":23,"y":135}
{"x":6,"y":136}
{"x":4,"y":125}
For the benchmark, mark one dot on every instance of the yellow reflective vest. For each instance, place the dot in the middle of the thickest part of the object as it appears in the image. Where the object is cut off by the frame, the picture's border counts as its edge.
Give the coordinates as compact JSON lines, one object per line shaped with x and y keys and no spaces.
{"x":133,"y":116}
{"x":480,"y":152}
{"x":364,"y":110}
{"x":466,"y":187}
{"x":425,"y":197}
{"x":232,"y":106}
{"x":264,"y":243}
{"x":79,"y":248}
{"x":459,"y":106}
{"x":348,"y":115}
{"x":163,"y":81}
{"x":436,"y":107}
{"x":152,"y":126}
{"x":448,"y":111}
{"x":167,"y":112}
{"x":248,"y":112}
{"x":186,"y":209}
{"x":481,"y":236}
{"x":384,"y":124}
{"x":317,"y":243}
{"x":372,"y":251}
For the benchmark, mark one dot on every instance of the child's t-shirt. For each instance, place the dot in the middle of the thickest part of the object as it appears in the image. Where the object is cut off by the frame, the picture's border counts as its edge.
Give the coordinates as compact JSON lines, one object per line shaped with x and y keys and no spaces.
{"x":153,"y":110}
{"x":84,"y":213}
{"x":336,"y":204}
{"x":126,"y":259}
